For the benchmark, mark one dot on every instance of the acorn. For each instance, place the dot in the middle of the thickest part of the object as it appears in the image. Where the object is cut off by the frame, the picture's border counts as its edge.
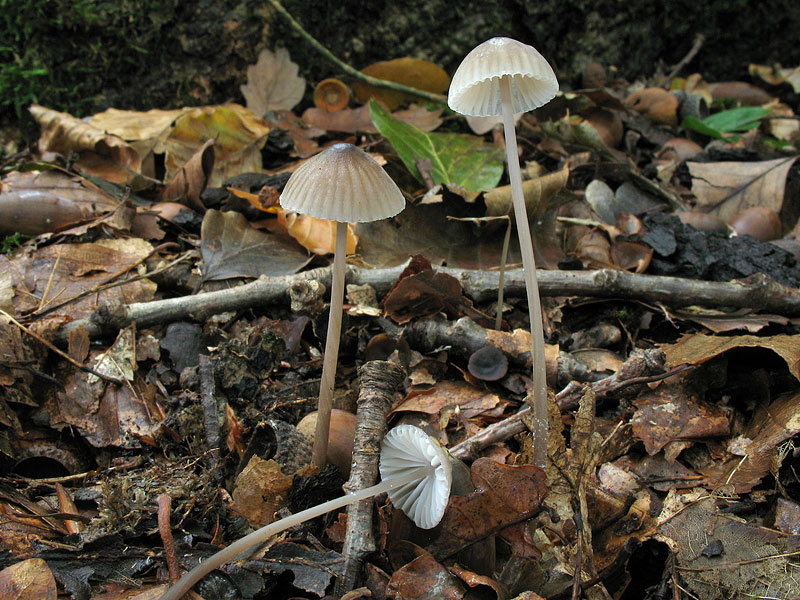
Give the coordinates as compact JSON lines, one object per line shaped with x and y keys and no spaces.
{"x":759,"y":222}
{"x":340,"y":440}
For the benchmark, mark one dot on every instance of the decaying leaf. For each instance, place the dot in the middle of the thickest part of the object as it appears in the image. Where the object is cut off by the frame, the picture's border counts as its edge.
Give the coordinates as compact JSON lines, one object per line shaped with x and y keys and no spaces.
{"x":231,"y":247}
{"x":315,"y":235}
{"x":504,"y":495}
{"x":776,"y":75}
{"x":427,"y":293}
{"x":273,"y":83}
{"x":697,"y":349}
{"x":537,"y":193}
{"x":313,"y":570}
{"x":28,"y":580}
{"x":190,"y":180}
{"x":424,"y":579}
{"x":770,"y":427}
{"x":449,"y":395}
{"x":260,"y":490}
{"x":670,"y":414}
{"x":413,"y":72}
{"x":101,"y":154}
{"x":751,"y":561}
{"x":239,"y":136}
{"x":726,"y":189}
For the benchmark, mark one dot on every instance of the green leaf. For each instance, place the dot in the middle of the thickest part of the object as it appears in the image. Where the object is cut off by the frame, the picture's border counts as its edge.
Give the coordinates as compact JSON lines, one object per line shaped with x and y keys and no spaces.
{"x":725,"y":124}
{"x":739,"y":119}
{"x":464,"y":160}
{"x":695,"y":124}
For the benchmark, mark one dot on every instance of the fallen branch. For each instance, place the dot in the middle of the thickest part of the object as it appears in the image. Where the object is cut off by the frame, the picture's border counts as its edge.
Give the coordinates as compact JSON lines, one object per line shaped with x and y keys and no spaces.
{"x":757,"y":292}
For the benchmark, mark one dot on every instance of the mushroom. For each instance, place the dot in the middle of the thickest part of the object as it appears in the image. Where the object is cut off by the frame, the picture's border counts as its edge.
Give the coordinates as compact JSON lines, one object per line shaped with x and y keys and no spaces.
{"x":415,"y":472}
{"x":488,"y":363}
{"x":331,"y":95}
{"x":345,"y":185}
{"x":501,"y":77}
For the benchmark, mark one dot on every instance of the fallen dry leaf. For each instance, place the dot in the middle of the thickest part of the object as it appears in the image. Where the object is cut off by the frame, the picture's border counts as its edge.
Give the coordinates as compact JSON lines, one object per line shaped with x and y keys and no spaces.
{"x":231,"y":247}
{"x":28,"y":580}
{"x":719,"y":556}
{"x":358,"y":119}
{"x":697,"y":349}
{"x":191,"y":179}
{"x":424,"y":579}
{"x":726,"y":189}
{"x":273,"y":83}
{"x":504,"y":495}
{"x":260,"y":490}
{"x":670,"y":414}
{"x":239,"y":136}
{"x":413,"y":72}
{"x":316,"y":235}
{"x":106,"y":156}
{"x":770,"y":427}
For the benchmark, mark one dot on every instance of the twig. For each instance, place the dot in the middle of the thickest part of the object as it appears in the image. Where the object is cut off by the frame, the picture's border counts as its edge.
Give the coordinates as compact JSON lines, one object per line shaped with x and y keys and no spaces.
{"x":568,"y":397}
{"x":699,"y":39}
{"x":441,"y":99}
{"x":379,"y":380}
{"x":757,"y":292}
{"x":63,"y":355}
{"x":164,"y":508}
{"x":109,"y":282}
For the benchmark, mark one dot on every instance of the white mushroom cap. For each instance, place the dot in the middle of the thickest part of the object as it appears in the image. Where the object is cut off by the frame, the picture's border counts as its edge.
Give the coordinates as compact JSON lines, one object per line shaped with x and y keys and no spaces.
{"x":342,"y":183}
{"x":424,"y":500}
{"x":475,"y":88}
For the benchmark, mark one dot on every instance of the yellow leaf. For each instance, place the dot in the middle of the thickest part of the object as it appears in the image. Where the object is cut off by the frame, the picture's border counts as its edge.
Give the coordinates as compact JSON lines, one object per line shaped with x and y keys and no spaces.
{"x":413,"y":72}
{"x":316,"y":235}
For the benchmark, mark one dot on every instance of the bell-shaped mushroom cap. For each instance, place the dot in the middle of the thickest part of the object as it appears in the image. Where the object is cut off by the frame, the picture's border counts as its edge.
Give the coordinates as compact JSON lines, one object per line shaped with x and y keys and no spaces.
{"x":423,"y":500}
{"x":342,"y":183}
{"x":475,"y":88}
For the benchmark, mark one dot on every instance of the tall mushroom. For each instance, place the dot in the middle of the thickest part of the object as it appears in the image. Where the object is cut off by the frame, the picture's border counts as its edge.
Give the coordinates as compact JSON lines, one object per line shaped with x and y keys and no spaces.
{"x":502,"y":77}
{"x":415,"y":471}
{"x":345,"y":185}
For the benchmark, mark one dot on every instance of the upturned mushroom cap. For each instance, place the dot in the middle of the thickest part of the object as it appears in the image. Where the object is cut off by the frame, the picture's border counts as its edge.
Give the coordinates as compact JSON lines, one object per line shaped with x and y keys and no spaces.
{"x":342,"y":183}
{"x":475,"y":88}
{"x":424,"y":500}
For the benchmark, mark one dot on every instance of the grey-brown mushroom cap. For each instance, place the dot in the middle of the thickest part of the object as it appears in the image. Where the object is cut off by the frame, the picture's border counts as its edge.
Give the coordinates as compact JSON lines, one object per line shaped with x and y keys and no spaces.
{"x":475,"y":87}
{"x":342,"y":183}
{"x":424,"y":500}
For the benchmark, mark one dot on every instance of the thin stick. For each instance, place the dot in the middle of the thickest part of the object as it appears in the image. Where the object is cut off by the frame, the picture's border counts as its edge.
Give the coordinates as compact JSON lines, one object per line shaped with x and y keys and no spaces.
{"x":540,"y":432}
{"x":63,"y":355}
{"x":320,"y":451}
{"x":347,"y":68}
{"x":498,"y":320}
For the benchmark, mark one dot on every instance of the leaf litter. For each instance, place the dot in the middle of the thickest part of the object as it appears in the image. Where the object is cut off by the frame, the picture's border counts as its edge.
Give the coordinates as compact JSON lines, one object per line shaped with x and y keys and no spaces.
{"x":679,"y":420}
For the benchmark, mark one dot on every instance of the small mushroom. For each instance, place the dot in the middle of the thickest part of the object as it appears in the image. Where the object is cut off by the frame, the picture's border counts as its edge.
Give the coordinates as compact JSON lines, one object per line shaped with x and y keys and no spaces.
{"x":415,"y":472}
{"x":331,"y":95}
{"x":501,"y":77}
{"x":345,"y":185}
{"x":488,"y":364}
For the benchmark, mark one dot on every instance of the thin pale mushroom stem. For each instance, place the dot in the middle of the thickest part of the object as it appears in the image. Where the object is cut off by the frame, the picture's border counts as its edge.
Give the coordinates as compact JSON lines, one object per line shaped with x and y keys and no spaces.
{"x":320,"y":450}
{"x":259,"y":536}
{"x":540,"y":432}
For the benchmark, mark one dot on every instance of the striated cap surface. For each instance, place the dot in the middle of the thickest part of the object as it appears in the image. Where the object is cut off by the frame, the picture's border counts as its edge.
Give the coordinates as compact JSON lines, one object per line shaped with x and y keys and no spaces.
{"x":424,"y":501}
{"x":342,"y":183}
{"x":475,"y":88}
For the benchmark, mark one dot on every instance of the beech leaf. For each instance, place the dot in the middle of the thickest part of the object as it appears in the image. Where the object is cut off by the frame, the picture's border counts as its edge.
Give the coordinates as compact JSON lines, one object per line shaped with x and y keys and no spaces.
{"x":464,"y":160}
{"x":272,"y":83}
{"x":231,"y":247}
